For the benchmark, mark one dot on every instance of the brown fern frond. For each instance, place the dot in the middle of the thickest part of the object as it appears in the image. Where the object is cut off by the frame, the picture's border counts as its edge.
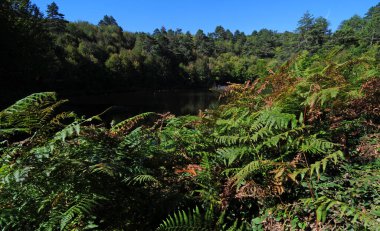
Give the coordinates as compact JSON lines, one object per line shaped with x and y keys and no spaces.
{"x":253,"y":190}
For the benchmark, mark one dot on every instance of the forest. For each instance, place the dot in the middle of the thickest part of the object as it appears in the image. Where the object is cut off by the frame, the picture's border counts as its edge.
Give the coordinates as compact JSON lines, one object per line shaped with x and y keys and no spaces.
{"x":294,"y":143}
{"x":44,"y":52}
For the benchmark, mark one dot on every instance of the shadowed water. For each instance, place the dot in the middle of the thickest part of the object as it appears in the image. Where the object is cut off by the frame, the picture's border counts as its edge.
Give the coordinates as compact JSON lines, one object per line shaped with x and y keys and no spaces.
{"x":124,"y":105}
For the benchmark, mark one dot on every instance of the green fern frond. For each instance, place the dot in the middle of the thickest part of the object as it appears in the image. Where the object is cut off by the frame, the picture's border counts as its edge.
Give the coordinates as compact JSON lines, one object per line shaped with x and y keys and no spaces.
{"x":230,"y":154}
{"x":185,"y":221}
{"x":276,"y":139}
{"x":142,"y":179}
{"x":316,"y":167}
{"x":316,"y":145}
{"x":68,"y":131}
{"x":102,"y":168}
{"x":321,"y":97}
{"x":231,"y":139}
{"x":277,"y":119}
{"x":83,"y":206}
{"x":28,"y":114}
{"x":34,"y":100}
{"x":252,"y":168}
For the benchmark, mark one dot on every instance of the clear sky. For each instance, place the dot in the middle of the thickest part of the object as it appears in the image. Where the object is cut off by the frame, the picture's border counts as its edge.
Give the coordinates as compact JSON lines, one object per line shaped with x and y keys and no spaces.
{"x":191,"y":15}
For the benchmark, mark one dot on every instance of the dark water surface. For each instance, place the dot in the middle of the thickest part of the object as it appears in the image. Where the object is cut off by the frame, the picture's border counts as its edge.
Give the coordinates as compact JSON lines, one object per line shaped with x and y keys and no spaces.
{"x":126,"y":104}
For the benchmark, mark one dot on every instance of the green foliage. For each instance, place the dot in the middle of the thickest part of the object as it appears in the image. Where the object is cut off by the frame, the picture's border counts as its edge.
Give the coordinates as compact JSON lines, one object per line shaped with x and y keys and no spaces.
{"x":130,"y":122}
{"x":27,"y":49}
{"x":83,"y":206}
{"x":181,"y":220}
{"x":95,"y":56}
{"x":297,"y":148}
{"x":31,"y":115}
{"x":281,"y":152}
{"x":73,"y":175}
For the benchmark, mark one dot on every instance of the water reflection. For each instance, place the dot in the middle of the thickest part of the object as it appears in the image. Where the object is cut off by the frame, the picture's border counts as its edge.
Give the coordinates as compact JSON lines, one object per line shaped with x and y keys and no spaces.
{"x":126,"y":104}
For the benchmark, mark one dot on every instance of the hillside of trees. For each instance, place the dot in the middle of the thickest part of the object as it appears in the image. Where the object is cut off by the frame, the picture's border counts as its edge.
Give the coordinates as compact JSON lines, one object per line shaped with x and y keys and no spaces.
{"x":293,"y":145}
{"x":45,"y":52}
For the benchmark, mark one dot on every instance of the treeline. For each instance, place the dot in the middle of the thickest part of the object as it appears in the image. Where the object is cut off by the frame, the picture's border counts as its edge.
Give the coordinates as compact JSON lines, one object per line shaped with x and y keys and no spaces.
{"x":46,"y":52}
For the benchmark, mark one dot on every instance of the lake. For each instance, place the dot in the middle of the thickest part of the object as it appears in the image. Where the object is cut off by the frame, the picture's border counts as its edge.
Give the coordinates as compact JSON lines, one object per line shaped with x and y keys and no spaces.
{"x":127,"y":104}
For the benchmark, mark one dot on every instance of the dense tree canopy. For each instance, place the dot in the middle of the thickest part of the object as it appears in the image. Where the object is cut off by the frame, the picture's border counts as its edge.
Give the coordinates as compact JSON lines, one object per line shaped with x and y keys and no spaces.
{"x":80,"y":55}
{"x":26,"y":50}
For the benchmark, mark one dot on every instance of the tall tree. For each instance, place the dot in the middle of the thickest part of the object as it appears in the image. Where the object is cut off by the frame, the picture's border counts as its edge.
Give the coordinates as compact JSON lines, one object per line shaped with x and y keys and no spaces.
{"x":108,"y":21}
{"x":313,"y":33}
{"x":349,"y":31}
{"x":203,"y":44}
{"x":372,"y":29}
{"x":219,"y":33}
{"x":53,"y":13}
{"x":320,"y":32}
{"x":55,"y":20}
{"x":305,"y":25}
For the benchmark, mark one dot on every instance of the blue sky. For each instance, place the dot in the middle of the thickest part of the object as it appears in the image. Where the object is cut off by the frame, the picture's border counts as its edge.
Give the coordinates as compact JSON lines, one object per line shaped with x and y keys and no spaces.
{"x":190,"y":15}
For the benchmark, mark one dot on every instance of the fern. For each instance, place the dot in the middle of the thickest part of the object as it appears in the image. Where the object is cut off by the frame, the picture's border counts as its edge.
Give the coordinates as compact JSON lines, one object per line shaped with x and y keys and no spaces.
{"x":68,"y":131}
{"x":325,"y":204}
{"x":231,"y":139}
{"x":29,"y":114}
{"x":252,"y":168}
{"x":130,"y":122}
{"x":83,"y":206}
{"x":193,"y":220}
{"x":316,"y":145}
{"x":102,"y":168}
{"x":316,"y":167}
{"x":35,"y":100}
{"x":181,"y":220}
{"x":230,"y":154}
{"x":142,"y":179}
{"x":321,"y":97}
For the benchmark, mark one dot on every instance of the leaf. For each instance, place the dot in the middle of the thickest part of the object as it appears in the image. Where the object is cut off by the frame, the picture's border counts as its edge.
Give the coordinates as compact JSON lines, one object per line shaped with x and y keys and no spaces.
{"x":257,"y":220}
{"x":300,"y":120}
{"x":319,"y":212}
{"x":279,"y":172}
{"x":293,"y":176}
